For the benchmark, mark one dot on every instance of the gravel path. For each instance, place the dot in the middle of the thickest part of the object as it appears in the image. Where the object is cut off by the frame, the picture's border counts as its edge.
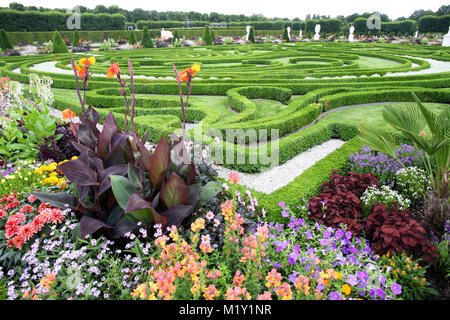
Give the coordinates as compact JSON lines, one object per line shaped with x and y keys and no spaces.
{"x":277,"y":177}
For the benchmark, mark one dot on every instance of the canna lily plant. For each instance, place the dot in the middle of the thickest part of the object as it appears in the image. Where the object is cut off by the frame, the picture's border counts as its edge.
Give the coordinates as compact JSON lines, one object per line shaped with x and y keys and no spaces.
{"x":118,"y":183}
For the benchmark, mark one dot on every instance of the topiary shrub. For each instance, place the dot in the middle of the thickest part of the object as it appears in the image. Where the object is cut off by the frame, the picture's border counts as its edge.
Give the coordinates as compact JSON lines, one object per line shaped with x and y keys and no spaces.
{"x":5,"y":44}
{"x":75,"y":38}
{"x":146,"y":39}
{"x":393,"y":230}
{"x":59,"y":46}
{"x":132,"y":38}
{"x":251,"y":35}
{"x":207,"y":36}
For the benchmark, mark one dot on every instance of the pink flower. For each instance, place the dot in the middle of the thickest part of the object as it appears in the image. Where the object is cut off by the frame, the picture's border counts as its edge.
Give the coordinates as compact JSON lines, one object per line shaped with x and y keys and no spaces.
{"x":234,"y":177}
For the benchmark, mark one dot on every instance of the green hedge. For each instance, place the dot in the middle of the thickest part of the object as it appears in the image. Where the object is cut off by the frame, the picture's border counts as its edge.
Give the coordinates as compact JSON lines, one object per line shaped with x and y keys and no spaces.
{"x":13,"y":20}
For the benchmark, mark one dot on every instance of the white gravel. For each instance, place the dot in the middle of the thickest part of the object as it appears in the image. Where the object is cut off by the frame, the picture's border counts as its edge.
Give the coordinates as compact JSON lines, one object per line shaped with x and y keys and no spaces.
{"x":277,"y":177}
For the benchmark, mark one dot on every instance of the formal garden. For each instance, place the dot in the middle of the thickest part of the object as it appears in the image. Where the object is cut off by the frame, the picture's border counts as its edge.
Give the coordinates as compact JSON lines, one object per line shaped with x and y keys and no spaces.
{"x":224,"y":167}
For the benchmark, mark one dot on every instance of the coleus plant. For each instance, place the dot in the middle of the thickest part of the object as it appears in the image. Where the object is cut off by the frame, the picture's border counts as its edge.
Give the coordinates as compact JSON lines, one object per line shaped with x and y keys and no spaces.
{"x":120,"y":183}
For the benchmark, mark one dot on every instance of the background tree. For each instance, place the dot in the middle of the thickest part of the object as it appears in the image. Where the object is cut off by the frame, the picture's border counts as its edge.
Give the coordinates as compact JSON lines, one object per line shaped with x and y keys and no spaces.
{"x":207,"y":36}
{"x":146,"y":39}
{"x":59,"y":46}
{"x":75,"y":38}
{"x":132,"y":38}
{"x":251,"y":35}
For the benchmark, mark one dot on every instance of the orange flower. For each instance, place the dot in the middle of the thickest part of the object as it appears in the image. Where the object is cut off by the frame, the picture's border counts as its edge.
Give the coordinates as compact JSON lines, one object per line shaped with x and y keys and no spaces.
{"x":423,"y":133}
{"x":188,"y":73}
{"x":113,"y":70}
{"x":68,"y":114}
{"x":346,"y":289}
{"x":81,"y":70}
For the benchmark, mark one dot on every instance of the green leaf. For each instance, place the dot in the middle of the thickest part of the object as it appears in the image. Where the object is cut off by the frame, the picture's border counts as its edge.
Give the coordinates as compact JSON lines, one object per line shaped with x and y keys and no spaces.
{"x":209,"y":191}
{"x":134,"y":176}
{"x":174,"y":191}
{"x":122,"y":189}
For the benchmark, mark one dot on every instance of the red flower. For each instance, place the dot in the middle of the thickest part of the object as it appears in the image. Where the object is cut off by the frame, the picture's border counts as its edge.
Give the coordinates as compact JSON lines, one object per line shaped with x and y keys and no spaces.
{"x":26,"y":209}
{"x":26,"y":232}
{"x":31,"y":198}
{"x":38,"y":222}
{"x":56,"y":216}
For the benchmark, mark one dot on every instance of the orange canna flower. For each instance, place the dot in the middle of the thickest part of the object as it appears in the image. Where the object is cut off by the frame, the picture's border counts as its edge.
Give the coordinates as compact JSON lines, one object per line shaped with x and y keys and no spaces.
{"x":113,"y":70}
{"x":188,"y":73}
{"x":68,"y":114}
{"x":81,"y":71}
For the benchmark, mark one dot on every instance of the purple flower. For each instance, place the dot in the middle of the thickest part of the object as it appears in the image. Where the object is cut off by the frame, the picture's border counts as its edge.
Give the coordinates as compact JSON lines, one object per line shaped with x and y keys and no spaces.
{"x":334,"y":295}
{"x":352,"y":280}
{"x":339,"y":234}
{"x":281,"y":204}
{"x":285,"y":213}
{"x":396,"y":288}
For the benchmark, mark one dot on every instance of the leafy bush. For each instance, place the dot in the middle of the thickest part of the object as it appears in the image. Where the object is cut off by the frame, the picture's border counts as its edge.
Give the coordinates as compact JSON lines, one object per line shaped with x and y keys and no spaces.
{"x":339,"y":200}
{"x":393,"y":230}
{"x":385,"y":196}
{"x":59,"y":46}
{"x":59,"y":146}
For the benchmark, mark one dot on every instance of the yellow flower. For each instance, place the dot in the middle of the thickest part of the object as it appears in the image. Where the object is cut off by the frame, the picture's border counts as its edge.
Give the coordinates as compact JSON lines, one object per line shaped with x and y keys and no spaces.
{"x":195,"y":68}
{"x":346,"y":289}
{"x":73,"y":158}
{"x":92,"y":60}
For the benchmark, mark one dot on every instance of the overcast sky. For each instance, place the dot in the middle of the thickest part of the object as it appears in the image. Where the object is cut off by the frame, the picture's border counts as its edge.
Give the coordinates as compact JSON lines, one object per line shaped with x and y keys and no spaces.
{"x":272,"y":8}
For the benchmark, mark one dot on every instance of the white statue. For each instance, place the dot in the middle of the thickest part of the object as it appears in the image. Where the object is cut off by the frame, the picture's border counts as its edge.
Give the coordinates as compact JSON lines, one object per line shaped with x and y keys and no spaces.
{"x":317,"y":35}
{"x":351,"y":36}
{"x":247,"y":28}
{"x":417,"y":34}
{"x":166,"y":34}
{"x":300,"y":36}
{"x":289,"y":32}
{"x":446,"y":40}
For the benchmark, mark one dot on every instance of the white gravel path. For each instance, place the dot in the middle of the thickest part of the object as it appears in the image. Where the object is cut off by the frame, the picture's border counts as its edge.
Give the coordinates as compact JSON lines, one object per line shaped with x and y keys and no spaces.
{"x":277,"y":177}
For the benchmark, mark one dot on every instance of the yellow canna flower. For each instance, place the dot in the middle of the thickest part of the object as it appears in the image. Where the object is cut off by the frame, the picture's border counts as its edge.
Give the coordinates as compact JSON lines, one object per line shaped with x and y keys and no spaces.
{"x":92,"y":60}
{"x":195,"y":68}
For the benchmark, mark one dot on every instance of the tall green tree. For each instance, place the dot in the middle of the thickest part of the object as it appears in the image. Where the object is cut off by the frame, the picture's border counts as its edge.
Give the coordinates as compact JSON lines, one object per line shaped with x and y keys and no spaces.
{"x":251,"y":35}
{"x":207,"y":36}
{"x":132,"y":38}
{"x":75,"y":38}
{"x":59,"y":46}
{"x":146,"y":39}
{"x":5,"y":44}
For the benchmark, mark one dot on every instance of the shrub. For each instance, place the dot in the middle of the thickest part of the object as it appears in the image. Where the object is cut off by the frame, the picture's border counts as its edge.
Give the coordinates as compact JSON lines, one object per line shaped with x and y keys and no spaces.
{"x":207,"y":36}
{"x":383,"y":195}
{"x":414,"y":189}
{"x":59,"y":146}
{"x":393,"y":230}
{"x":146,"y":40}
{"x":59,"y":46}
{"x":75,"y":38}
{"x":251,"y":35}
{"x":132,"y":38}
{"x":5,"y":44}
{"x":339,"y":200}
